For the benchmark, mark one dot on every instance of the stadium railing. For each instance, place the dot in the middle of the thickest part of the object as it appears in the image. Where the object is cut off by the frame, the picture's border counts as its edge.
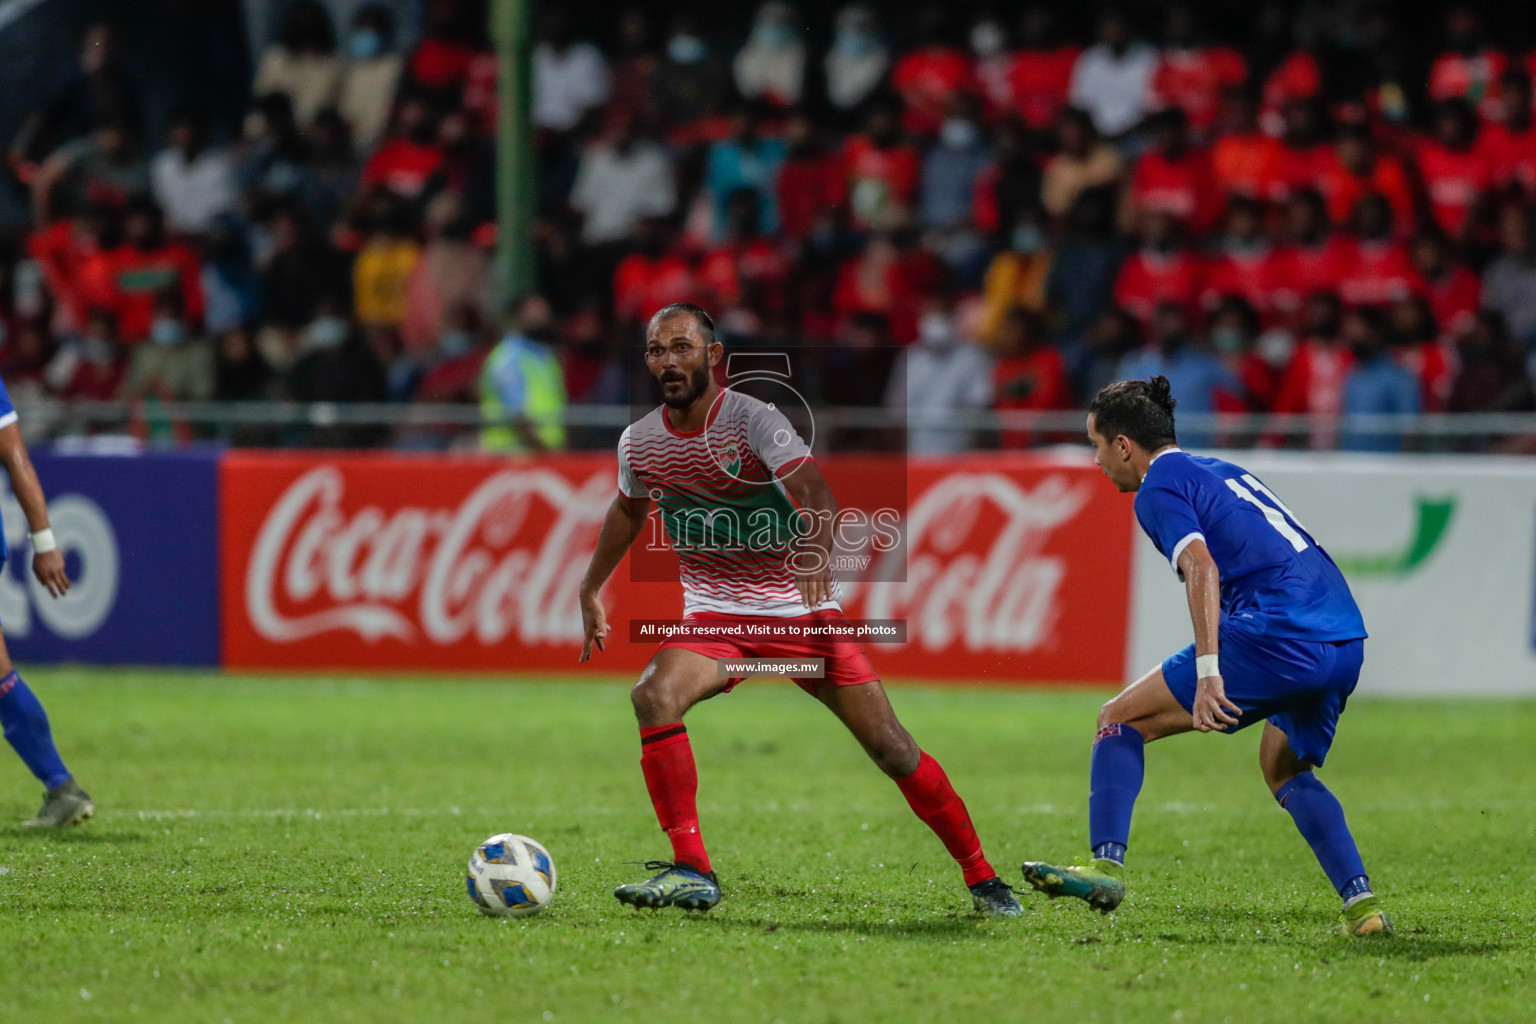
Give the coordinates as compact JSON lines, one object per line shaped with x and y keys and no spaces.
{"x":456,"y":426}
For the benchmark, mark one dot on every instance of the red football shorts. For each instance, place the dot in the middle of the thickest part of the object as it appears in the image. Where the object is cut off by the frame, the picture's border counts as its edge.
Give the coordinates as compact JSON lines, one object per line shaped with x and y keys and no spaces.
{"x":845,"y":661}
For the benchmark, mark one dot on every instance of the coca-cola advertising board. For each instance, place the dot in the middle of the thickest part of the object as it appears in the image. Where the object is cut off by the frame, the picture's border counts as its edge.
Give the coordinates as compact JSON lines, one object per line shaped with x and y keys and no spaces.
{"x":1011,"y":569}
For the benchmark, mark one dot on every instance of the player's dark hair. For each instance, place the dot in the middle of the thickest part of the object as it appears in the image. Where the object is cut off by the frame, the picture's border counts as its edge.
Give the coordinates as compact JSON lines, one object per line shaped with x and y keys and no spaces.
{"x":1142,"y":410}
{"x":700,"y":316}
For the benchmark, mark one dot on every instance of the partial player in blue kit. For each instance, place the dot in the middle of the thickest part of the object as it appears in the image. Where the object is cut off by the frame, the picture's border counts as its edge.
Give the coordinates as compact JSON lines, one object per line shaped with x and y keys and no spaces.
{"x":21,"y":714}
{"x":1278,"y":638}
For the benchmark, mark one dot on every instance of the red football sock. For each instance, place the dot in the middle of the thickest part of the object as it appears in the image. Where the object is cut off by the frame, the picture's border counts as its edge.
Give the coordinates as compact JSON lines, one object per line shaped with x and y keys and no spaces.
{"x":935,"y":801}
{"x":666,"y":758}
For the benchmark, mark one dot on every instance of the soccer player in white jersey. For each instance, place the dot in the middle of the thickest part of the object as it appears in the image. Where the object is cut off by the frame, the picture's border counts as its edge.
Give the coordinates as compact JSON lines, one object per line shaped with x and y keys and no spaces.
{"x":729,"y":473}
{"x":21,"y":714}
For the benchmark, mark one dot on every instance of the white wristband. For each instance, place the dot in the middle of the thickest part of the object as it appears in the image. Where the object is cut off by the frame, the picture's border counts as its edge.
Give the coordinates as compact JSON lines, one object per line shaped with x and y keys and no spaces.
{"x":1206,"y":666}
{"x":43,"y":542}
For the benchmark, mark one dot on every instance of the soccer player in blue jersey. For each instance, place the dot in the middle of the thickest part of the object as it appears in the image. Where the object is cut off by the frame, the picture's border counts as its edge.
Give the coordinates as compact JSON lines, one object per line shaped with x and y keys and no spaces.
{"x":1277,"y":637}
{"x":22,"y":716}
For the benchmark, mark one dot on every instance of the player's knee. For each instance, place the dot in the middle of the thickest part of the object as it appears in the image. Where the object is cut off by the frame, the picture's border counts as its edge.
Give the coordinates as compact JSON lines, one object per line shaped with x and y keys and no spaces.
{"x":1112,"y":713}
{"x":655,"y":702}
{"x":895,"y":752}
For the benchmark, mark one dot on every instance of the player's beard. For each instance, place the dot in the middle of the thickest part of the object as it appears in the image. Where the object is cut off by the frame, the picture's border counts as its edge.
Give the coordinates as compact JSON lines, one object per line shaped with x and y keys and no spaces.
{"x":698,"y":383}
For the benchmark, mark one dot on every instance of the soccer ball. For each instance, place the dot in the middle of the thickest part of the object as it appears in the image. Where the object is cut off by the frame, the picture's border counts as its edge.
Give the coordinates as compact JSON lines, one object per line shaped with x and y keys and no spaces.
{"x":511,"y":876}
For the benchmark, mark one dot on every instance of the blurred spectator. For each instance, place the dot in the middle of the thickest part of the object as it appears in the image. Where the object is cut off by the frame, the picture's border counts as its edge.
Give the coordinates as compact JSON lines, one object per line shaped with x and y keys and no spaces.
{"x":993,"y":64}
{"x":90,"y":367}
{"x":952,"y":165}
{"x":1029,"y":373}
{"x":889,"y":278}
{"x":299,"y":270}
{"x":1314,"y":380}
{"x":1244,"y":160}
{"x":1015,"y":280}
{"x":271,"y":158}
{"x":103,"y":168}
{"x":1375,"y":268}
{"x":1112,"y":80}
{"x":97,"y":91}
{"x":1191,"y":74}
{"x":461,"y":351}
{"x":1235,"y":336}
{"x":412,"y":154}
{"x":1456,"y":173}
{"x":403,"y":370}
{"x":452,"y":272}
{"x":334,"y":365}
{"x":1040,"y":76}
{"x":856,"y":369}
{"x":1082,"y":276}
{"x":148,"y":263}
{"x":745,"y":269}
{"x":622,"y":180}
{"x":927,"y":75}
{"x":522,"y":387}
{"x":940,"y":373}
{"x":1305,"y":155}
{"x":694,"y":80}
{"x":303,"y":64}
{"x":1509,"y":283}
{"x":1469,"y":69}
{"x":1201,"y":382}
{"x":858,"y":59}
{"x":193,"y":182}
{"x":176,"y":364}
{"x":1161,"y":271}
{"x":1298,"y":77}
{"x":882,"y":171}
{"x":1453,"y":291}
{"x":240,"y":373}
{"x":438,"y":67}
{"x":1414,"y":339}
{"x":1356,"y":169}
{"x":1082,"y":161}
{"x":1374,"y":385}
{"x":1310,"y":260}
{"x":651,"y":276}
{"x":231,"y":289}
{"x":632,"y":80}
{"x":1174,"y":177}
{"x":570,"y":77}
{"x":70,"y":257}
{"x":1244,"y":264}
{"x":1106,"y":343}
{"x":1508,"y":143}
{"x":771,"y":66}
{"x":745,"y":160}
{"x":382,"y":271}
{"x":810,"y":185}
{"x":334,"y":168}
{"x":371,"y":76}
{"x":1493,"y":376}
{"x":1007,"y":191}
{"x":24,"y":362}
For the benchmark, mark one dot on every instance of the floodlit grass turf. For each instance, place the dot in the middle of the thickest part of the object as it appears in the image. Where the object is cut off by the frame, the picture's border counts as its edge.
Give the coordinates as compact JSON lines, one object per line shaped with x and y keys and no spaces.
{"x":293,"y":850}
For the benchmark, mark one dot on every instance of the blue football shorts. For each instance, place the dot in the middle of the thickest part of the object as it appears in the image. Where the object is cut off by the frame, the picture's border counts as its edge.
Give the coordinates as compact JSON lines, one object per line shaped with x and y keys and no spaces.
{"x":1300,"y":685}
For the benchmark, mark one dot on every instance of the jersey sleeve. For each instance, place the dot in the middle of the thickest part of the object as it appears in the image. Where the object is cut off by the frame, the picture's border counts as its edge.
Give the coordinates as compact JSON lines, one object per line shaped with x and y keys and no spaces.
{"x":7,"y":410}
{"x":629,"y":485}
{"x":775,"y":442}
{"x":1168,"y":517}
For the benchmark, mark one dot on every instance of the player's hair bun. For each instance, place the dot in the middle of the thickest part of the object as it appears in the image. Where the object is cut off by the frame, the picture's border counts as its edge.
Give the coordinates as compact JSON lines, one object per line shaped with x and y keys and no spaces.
{"x":1161,"y":392}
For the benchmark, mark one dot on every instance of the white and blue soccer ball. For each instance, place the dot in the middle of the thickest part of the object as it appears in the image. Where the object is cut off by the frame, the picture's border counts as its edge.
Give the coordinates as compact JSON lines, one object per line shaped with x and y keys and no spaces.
{"x":511,"y":876}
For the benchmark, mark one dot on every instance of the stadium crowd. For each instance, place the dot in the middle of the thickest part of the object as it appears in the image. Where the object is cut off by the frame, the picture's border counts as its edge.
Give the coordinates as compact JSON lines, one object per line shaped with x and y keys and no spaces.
{"x":1303,"y":218}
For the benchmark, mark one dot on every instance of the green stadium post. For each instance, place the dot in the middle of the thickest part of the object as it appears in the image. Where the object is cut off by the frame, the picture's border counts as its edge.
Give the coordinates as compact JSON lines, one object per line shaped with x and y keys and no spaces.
{"x":511,"y":26}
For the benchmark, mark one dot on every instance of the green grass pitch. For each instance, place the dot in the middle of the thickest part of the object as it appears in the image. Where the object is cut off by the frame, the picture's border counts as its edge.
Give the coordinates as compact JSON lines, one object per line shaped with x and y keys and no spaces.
{"x":294,"y":849}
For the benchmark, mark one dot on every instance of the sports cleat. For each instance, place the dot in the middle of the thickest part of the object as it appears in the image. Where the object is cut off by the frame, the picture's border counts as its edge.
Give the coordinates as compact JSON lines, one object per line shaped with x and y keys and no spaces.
{"x":1365,"y":917}
{"x":678,"y":885}
{"x":1101,"y":884}
{"x":63,"y":806}
{"x":995,"y":898}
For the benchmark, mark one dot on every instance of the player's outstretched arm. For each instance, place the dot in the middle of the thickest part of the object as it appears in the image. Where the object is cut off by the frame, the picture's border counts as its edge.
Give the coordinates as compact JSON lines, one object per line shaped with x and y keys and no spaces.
{"x":47,"y":559}
{"x":813,"y":560}
{"x":1202,"y":585}
{"x":625,"y":519}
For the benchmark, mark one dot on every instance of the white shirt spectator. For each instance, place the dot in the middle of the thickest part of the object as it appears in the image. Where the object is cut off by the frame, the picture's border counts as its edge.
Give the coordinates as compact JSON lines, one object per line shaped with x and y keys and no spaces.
{"x":567,"y":84}
{"x":617,"y":187}
{"x":939,"y":373}
{"x":772,"y":64}
{"x":1115,"y":91}
{"x":193,"y":192}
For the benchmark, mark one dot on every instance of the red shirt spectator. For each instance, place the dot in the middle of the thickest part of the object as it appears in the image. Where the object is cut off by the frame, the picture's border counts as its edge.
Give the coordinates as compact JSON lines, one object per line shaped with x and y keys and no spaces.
{"x":479,"y":99}
{"x":1314,"y":380}
{"x":751,"y":271}
{"x":1508,"y":145}
{"x":926,"y":79}
{"x":441,"y":64}
{"x":1244,"y":160}
{"x":811,"y":182}
{"x":1298,"y":78}
{"x":1038,"y":83}
{"x":1181,"y":185}
{"x":1453,"y":292}
{"x":1150,"y":277}
{"x":643,"y":283}
{"x":147,"y":265}
{"x":886,"y":281}
{"x":1469,"y":70}
{"x":1455,"y":171}
{"x":1193,"y":80}
{"x":1376,"y":272}
{"x":403,"y":166}
{"x":881,"y":171}
{"x":1245,"y":265}
{"x":1353,"y":169}
{"x":65,"y":252}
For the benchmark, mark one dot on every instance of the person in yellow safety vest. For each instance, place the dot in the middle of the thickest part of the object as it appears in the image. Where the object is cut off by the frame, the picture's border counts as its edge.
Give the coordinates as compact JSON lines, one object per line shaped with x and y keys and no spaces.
{"x":522,"y":386}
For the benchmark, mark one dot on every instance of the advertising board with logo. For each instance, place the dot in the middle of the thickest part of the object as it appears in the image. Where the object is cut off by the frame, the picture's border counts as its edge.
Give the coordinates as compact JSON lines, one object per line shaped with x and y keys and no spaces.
{"x":140,"y":540}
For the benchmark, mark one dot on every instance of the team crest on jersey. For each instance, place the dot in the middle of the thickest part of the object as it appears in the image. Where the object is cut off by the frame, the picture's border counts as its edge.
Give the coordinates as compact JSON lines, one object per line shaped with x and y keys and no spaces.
{"x":728,"y":457}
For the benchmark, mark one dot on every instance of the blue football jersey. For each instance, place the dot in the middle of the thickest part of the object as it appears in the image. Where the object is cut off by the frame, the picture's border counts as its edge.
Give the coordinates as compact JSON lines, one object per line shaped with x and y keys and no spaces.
{"x":7,"y":417}
{"x":1275,"y":579}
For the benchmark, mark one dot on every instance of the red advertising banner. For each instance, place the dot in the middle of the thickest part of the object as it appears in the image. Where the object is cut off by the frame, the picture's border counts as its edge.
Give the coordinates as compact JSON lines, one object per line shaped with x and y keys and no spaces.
{"x":1016,"y":568}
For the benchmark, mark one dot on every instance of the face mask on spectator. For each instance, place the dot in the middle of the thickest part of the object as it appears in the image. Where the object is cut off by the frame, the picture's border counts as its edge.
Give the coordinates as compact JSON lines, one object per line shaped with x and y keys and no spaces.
{"x":987,"y":39}
{"x":1027,"y":238}
{"x":167,"y":330}
{"x":1228,"y":341}
{"x":772,"y":34}
{"x":686,"y":49}
{"x":325,"y":332}
{"x":958,"y":133}
{"x":935,"y":330}
{"x":856,"y":42}
{"x":98,"y":350}
{"x":454,"y":344}
{"x":366,"y":44}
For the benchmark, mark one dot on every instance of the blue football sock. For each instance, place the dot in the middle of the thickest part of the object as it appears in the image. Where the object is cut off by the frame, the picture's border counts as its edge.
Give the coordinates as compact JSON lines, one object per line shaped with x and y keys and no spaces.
{"x":26,"y":729}
{"x":1320,"y":820}
{"x":1114,"y":775}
